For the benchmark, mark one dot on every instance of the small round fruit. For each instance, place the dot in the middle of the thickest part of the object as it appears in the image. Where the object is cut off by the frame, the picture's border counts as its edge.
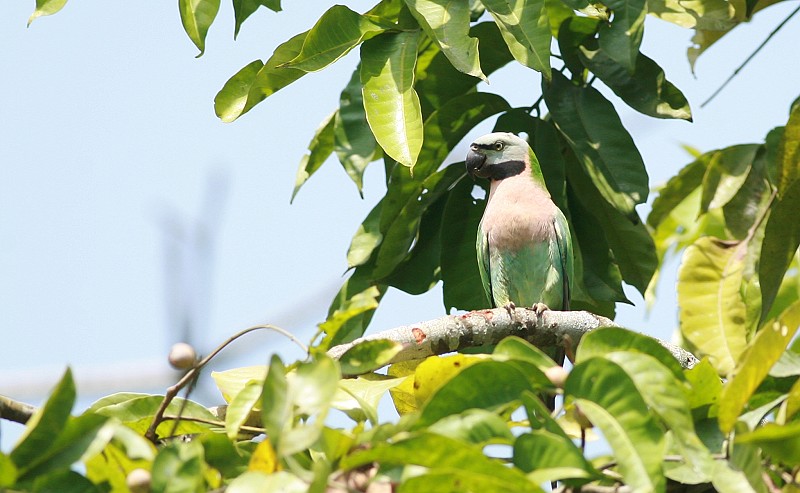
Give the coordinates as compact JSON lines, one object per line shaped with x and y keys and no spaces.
{"x":182,"y":356}
{"x":557,"y":376}
{"x":138,"y":481}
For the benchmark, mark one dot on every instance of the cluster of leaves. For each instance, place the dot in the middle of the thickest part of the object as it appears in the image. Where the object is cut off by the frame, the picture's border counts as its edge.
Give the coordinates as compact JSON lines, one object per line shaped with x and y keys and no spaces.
{"x":468,"y":422}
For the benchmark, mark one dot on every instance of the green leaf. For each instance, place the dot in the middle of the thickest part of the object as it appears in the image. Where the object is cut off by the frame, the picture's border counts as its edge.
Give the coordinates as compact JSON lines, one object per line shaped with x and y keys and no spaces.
{"x":461,"y":280}
{"x":231,"y":382}
{"x":338,"y":31}
{"x":64,"y":482}
{"x":258,"y":482}
{"x":137,"y":410}
{"x":711,"y":310}
{"x":788,"y":158}
{"x":354,"y":144}
{"x":515,"y":348}
{"x":609,"y":398}
{"x":391,"y":104}
{"x":621,"y":38}
{"x":678,"y":188}
{"x":526,"y":30}
{"x":354,"y":326}
{"x":573,"y":34}
{"x":256,"y":81}
{"x":749,"y":204}
{"x":706,"y":386}
{"x":550,"y":457}
{"x":80,"y":439}
{"x":242,"y":9}
{"x":320,"y":147}
{"x":447,"y":23}
{"x":604,"y":148}
{"x":178,"y":468}
{"x":368,"y":356}
{"x":197,"y":16}
{"x":606,"y":340}
{"x":359,"y":397}
{"x":780,"y":442}
{"x":355,"y":306}
{"x":8,"y":471}
{"x":444,"y":455}
{"x":485,"y":385}
{"x":367,"y":238}
{"x":46,"y":423}
{"x":667,"y":397}
{"x":313,"y":385}
{"x":629,"y":240}
{"x":781,"y":239}
{"x":46,"y":7}
{"x":241,"y":406}
{"x":276,"y":411}
{"x":762,"y":352}
{"x":646,"y":89}
{"x":726,"y":173}
{"x":477,"y":426}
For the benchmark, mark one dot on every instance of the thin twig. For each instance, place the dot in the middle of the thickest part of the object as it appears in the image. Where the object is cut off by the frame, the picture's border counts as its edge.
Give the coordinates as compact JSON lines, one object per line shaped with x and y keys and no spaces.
{"x":747,"y":60}
{"x":172,"y":391}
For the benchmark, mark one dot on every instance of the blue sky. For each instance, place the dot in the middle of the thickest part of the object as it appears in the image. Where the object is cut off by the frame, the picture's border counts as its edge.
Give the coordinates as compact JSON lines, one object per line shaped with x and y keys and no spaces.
{"x":108,"y":143}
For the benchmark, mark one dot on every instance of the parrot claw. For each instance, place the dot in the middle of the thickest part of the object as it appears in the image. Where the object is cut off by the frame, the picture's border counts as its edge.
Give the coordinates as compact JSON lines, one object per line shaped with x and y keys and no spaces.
{"x":540,"y":308}
{"x":511,"y":309}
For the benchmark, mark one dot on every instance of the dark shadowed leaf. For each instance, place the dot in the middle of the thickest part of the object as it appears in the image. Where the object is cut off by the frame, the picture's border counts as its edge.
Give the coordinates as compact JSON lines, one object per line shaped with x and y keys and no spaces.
{"x":604,"y":148}
{"x":678,"y":188}
{"x":621,"y":38}
{"x":646,"y":90}
{"x":550,"y":457}
{"x":781,"y":239}
{"x":726,"y":173}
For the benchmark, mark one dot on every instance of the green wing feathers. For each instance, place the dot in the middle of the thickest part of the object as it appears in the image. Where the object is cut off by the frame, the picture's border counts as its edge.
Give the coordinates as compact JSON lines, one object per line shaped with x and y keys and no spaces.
{"x":564,"y":243}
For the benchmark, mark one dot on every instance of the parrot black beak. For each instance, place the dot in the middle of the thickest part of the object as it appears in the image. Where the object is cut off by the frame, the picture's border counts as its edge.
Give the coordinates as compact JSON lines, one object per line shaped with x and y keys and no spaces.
{"x":475,"y":161}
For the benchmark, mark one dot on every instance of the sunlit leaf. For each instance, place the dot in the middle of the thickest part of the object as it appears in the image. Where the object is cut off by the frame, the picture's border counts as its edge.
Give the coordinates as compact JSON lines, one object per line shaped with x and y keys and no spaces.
{"x":276,"y":411}
{"x":487,"y":385}
{"x":526,"y":31}
{"x":726,"y":173}
{"x":745,"y":208}
{"x":600,"y":342}
{"x":550,"y":457}
{"x":404,"y":395}
{"x":788,"y":157}
{"x":46,"y":7}
{"x":46,"y":423}
{"x":610,"y":400}
{"x":320,"y":148}
{"x":359,"y":397}
{"x":256,"y":81}
{"x":754,"y":365}
{"x":264,"y":458}
{"x":447,"y":23}
{"x":780,"y":442}
{"x":8,"y":471}
{"x":197,"y":16}
{"x":392,"y":106}
{"x":711,"y":310}
{"x":603,"y":146}
{"x":242,"y":9}
{"x":356,"y":305}
{"x":258,"y":482}
{"x":646,"y":89}
{"x":243,"y":403}
{"x":338,"y":31}
{"x":432,"y":373}
{"x":515,"y":348}
{"x":678,"y":188}
{"x":477,"y":426}
{"x":231,"y":382}
{"x":444,"y":455}
{"x":178,"y":467}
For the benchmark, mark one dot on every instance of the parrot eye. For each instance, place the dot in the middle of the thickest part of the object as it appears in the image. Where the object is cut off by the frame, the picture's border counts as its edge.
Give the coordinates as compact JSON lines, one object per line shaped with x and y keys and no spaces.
{"x":498,"y":146}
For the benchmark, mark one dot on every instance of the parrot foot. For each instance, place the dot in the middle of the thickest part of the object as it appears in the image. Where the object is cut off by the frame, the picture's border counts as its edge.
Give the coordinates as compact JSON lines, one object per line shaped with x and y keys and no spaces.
{"x":511,"y":309}
{"x":540,"y":308}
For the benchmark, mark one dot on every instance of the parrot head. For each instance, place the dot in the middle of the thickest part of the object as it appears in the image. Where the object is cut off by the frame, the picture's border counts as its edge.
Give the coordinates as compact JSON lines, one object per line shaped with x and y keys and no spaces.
{"x":497,"y":156}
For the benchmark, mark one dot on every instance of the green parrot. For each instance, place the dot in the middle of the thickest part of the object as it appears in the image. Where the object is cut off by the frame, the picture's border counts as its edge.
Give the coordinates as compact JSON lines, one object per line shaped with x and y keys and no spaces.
{"x":524,"y":244}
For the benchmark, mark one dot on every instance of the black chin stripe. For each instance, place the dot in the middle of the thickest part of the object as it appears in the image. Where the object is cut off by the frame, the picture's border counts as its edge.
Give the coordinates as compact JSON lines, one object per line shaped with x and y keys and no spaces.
{"x":506,"y":169}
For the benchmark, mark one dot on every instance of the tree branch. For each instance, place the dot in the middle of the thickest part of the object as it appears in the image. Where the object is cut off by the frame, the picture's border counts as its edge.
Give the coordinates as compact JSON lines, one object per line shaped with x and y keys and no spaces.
{"x":15,"y":411}
{"x":488,"y":327}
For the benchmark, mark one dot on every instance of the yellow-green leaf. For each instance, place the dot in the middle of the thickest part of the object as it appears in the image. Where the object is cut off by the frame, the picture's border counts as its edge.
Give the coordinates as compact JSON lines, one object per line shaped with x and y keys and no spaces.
{"x":197,"y":16}
{"x":789,"y":152}
{"x":762,"y":352}
{"x":712,"y":313}
{"x":525,"y":29}
{"x":391,"y":103}
{"x":319,"y":149}
{"x":447,"y":22}
{"x":46,"y":7}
